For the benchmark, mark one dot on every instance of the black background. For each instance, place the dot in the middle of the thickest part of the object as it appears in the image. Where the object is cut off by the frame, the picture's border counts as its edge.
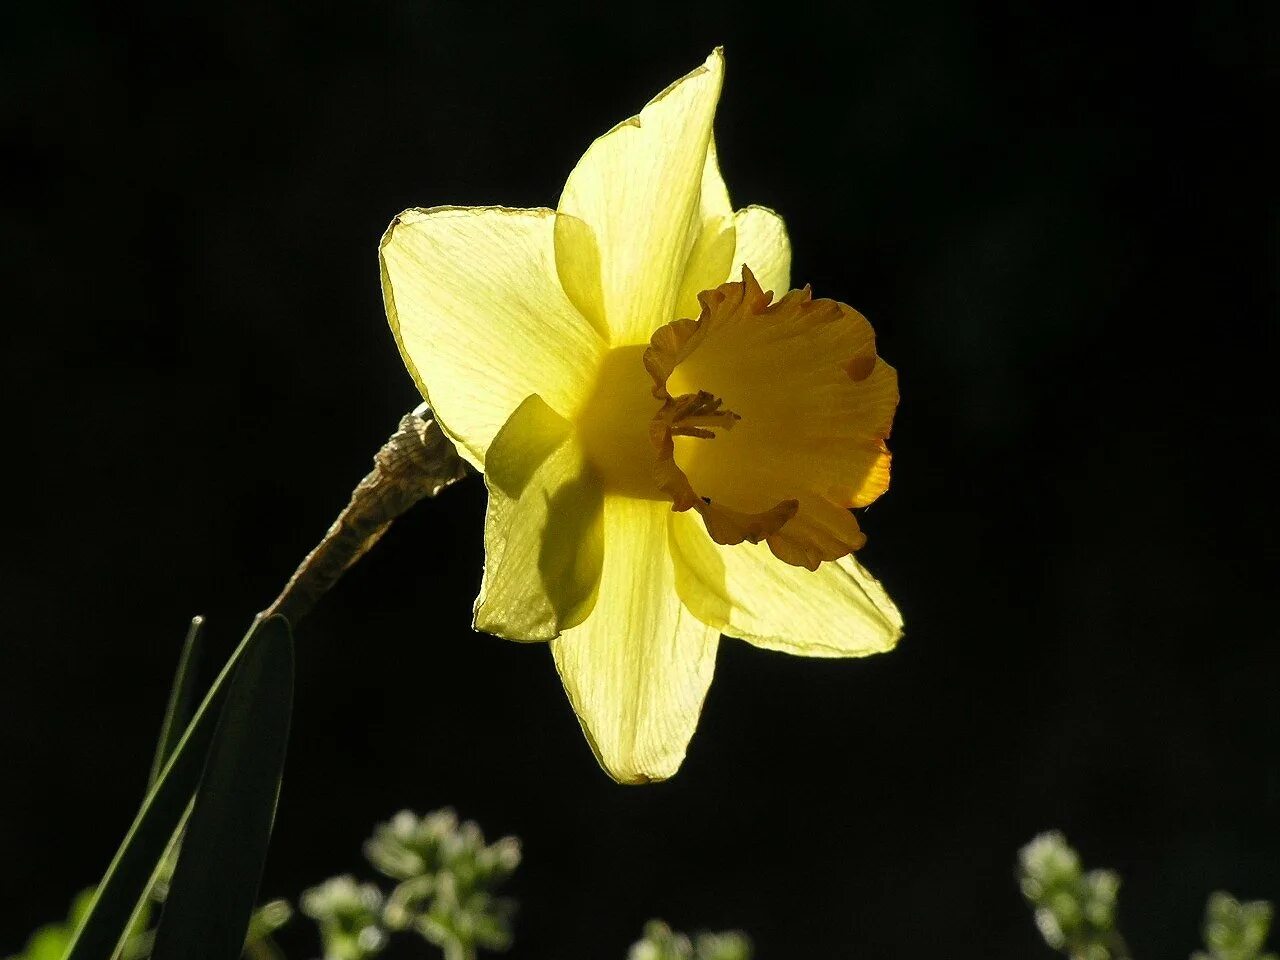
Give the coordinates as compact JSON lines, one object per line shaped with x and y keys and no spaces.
{"x":1061,"y":220}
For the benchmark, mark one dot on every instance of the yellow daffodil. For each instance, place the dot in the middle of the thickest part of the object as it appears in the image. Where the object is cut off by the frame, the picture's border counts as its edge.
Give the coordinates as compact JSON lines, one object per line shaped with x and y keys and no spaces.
{"x":671,"y":453}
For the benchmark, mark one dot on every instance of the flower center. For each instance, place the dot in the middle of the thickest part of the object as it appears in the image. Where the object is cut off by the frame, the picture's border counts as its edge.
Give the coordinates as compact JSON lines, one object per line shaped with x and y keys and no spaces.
{"x":812,"y":404}
{"x":691,"y":415}
{"x":803,"y":444}
{"x":613,"y":425}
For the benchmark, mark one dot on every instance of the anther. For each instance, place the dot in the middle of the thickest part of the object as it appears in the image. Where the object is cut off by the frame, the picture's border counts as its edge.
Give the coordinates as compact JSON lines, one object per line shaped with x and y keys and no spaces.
{"x":697,"y":415}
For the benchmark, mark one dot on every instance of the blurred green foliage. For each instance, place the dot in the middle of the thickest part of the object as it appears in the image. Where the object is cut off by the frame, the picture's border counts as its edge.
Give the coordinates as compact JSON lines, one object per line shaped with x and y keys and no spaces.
{"x":1076,"y":910}
{"x":1235,"y":930}
{"x":448,"y":877}
{"x":51,"y":941}
{"x":660,"y":942}
{"x":349,"y":915}
{"x":446,"y":881}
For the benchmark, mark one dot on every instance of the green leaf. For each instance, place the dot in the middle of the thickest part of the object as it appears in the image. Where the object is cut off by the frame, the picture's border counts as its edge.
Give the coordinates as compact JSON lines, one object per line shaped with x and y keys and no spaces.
{"x":129,"y":878}
{"x":182,"y":698}
{"x":215,"y":883}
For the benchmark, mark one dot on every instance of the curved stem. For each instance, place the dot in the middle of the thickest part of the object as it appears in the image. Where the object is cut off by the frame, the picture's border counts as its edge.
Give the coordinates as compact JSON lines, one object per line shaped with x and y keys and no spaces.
{"x":418,"y":461}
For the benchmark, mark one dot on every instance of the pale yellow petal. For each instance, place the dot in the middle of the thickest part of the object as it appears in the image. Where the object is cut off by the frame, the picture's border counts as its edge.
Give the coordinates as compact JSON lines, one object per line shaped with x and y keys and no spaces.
{"x":714,"y":242}
{"x":481,"y":321}
{"x":713,"y":198}
{"x":631,"y":206}
{"x":744,"y":591}
{"x":637,"y":670}
{"x":543,"y":529}
{"x":762,"y":244}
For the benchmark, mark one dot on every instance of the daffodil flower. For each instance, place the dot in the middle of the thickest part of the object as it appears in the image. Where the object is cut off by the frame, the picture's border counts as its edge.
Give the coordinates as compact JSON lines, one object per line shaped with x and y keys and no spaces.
{"x":671,"y":454}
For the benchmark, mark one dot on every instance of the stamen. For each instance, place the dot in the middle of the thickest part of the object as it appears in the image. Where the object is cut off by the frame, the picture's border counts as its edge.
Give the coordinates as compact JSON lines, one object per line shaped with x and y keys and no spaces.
{"x":696,"y":415}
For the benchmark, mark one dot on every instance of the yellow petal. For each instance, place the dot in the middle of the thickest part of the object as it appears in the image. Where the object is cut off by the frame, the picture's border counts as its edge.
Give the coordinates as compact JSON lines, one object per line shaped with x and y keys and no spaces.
{"x":820,"y":530}
{"x":637,"y":670}
{"x":762,"y":244}
{"x":480,"y":318}
{"x":630,"y":208}
{"x":715,"y":240}
{"x":744,"y":591}
{"x":543,"y":531}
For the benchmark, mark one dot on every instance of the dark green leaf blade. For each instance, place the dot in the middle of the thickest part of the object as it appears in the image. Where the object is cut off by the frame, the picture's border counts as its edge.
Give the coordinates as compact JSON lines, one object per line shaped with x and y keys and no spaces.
{"x":182,"y":698}
{"x":129,"y":877}
{"x":215,"y":883}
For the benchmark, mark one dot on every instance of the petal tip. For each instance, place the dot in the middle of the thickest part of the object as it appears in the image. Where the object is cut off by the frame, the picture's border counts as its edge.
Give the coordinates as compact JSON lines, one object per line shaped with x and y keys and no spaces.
{"x":635,"y":778}
{"x":712,"y":66}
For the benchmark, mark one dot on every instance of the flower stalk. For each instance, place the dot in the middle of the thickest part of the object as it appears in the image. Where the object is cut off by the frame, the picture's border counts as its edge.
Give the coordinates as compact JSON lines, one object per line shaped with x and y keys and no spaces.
{"x":416,"y":462}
